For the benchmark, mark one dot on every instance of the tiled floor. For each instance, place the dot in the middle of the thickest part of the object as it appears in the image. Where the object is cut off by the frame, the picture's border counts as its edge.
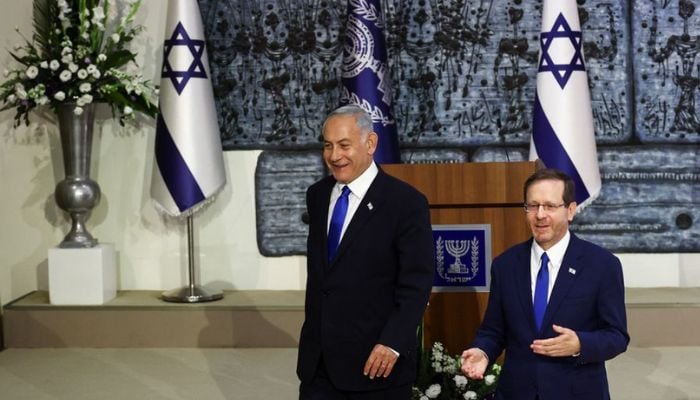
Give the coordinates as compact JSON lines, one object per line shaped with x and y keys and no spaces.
{"x":668,"y":373}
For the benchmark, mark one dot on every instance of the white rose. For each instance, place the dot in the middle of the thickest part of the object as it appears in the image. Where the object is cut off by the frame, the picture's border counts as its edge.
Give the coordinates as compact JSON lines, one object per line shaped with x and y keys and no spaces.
{"x":66,"y":50}
{"x":461,"y":380}
{"x":43,"y":100}
{"x":101,"y":58}
{"x":78,"y":110}
{"x":65,"y":75}
{"x":470,"y":395}
{"x":115,"y":37}
{"x":73,"y":67}
{"x":84,"y":99}
{"x":21,"y":94}
{"x":91,"y":68}
{"x":67,"y":59}
{"x":44,"y":64}
{"x":96,"y":74}
{"x":32,"y":72}
{"x":128,"y":110}
{"x":60,"y":96}
{"x":85,"y":87}
{"x":11,"y":98}
{"x":82,"y":74}
{"x":54,"y":65}
{"x":489,"y":379}
{"x":433,"y":391}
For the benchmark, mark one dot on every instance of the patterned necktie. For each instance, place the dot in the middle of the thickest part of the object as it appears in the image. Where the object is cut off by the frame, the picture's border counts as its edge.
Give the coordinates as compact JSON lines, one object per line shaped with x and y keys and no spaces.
{"x":337,"y":220}
{"x":541,"y":289}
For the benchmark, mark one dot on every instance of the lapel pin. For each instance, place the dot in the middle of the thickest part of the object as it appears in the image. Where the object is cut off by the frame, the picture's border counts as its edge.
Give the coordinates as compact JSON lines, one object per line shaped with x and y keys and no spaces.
{"x":572,"y":271}
{"x":370,"y":206}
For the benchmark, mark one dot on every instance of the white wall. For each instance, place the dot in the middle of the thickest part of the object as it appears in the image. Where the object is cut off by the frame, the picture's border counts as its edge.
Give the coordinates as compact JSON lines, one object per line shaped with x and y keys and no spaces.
{"x":152,"y":250}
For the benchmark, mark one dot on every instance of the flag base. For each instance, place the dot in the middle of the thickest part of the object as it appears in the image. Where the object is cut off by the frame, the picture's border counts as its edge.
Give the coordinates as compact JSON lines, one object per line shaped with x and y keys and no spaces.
{"x":191,"y":294}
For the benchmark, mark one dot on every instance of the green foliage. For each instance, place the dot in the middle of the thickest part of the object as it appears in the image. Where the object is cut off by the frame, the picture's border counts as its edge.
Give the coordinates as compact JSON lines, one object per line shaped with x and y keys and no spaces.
{"x":439,"y":377}
{"x":79,"y":53}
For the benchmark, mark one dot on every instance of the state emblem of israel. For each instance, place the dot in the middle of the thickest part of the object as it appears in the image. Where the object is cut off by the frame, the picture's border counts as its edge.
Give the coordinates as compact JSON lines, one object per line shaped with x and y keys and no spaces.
{"x":462,"y":257}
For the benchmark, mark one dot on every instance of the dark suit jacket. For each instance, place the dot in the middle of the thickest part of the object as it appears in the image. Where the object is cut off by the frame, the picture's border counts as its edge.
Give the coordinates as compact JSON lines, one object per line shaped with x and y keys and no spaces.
{"x":375,"y":289}
{"x":588,"y":297}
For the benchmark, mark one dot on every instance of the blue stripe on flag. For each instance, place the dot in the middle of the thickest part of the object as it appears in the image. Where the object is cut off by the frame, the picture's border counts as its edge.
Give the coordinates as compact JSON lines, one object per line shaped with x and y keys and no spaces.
{"x":368,"y":84}
{"x":552,"y":153}
{"x":177,"y":176}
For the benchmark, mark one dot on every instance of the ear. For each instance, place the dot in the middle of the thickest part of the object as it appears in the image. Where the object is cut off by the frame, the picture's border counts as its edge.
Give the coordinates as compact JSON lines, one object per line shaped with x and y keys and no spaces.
{"x":571,"y":211}
{"x":372,"y":141}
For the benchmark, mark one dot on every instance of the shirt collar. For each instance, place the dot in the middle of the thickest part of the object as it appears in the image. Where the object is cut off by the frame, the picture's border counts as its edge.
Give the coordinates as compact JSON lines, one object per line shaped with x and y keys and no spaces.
{"x":556,"y":252}
{"x":360,"y":185}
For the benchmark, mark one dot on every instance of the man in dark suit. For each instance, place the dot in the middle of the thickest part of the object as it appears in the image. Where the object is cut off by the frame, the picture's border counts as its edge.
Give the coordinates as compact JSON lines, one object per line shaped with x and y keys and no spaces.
{"x":370,"y":271}
{"x":556,"y":306}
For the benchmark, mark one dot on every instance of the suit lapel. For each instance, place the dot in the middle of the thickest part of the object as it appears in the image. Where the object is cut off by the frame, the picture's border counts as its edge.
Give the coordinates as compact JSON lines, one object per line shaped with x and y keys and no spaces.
{"x":322,"y":215}
{"x":569,"y":270}
{"x":368,"y":207}
{"x":524,"y":285}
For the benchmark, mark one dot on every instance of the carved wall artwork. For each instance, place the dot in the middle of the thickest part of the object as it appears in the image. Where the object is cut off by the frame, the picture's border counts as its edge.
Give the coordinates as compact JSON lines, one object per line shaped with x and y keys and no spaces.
{"x":463,"y":76}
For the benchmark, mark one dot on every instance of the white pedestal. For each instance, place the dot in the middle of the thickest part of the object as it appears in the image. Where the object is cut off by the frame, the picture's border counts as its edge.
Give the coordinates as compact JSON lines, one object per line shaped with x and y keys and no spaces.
{"x":82,"y":276}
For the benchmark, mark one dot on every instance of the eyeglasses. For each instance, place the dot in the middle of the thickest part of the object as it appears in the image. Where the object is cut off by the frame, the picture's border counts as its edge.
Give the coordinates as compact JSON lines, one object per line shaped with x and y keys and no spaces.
{"x":548,"y":208}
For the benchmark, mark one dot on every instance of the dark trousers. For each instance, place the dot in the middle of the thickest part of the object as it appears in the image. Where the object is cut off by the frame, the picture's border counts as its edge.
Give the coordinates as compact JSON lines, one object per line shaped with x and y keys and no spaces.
{"x":321,"y":388}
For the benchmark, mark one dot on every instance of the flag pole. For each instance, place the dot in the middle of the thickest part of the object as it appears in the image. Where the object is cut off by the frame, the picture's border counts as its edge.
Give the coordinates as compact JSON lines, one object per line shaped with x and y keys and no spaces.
{"x":189,"y":168}
{"x":191,"y":293}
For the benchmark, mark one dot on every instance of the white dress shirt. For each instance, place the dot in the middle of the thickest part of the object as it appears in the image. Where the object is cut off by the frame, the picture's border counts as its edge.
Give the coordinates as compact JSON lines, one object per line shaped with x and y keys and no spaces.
{"x":358,"y":188}
{"x":556,"y":256}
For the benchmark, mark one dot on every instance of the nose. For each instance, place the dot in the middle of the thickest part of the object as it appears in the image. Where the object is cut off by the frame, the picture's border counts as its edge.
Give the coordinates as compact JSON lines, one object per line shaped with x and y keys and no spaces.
{"x":540,"y":212}
{"x":334,"y":154}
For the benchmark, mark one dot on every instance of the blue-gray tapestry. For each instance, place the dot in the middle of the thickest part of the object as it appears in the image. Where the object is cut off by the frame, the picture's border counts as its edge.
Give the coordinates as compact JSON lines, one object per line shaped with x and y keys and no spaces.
{"x":463,"y":83}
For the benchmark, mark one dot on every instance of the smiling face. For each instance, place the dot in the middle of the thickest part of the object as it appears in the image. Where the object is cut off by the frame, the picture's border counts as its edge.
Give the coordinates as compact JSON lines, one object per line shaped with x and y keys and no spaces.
{"x":548,"y":228}
{"x":346,"y":150}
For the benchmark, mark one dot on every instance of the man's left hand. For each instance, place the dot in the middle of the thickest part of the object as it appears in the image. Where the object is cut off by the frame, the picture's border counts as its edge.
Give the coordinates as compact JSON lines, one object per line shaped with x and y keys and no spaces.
{"x":564,"y":345}
{"x":380,"y":362}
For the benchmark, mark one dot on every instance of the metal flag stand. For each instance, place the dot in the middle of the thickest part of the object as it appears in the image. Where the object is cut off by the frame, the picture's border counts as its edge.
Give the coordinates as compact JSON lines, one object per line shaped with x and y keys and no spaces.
{"x":191,"y":293}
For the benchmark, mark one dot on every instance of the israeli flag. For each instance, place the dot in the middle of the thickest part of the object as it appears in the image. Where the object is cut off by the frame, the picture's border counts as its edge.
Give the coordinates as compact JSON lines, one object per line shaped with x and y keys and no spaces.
{"x":365,"y":74}
{"x":563,"y":135}
{"x":189,"y":167}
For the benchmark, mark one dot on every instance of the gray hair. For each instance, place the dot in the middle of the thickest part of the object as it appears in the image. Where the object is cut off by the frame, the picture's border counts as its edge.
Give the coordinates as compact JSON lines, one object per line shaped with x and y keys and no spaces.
{"x":362,"y":119}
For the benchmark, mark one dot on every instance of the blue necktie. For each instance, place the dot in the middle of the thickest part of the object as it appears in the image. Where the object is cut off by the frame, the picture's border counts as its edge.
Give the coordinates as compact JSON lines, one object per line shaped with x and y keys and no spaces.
{"x":541,"y":289}
{"x":337,"y":220}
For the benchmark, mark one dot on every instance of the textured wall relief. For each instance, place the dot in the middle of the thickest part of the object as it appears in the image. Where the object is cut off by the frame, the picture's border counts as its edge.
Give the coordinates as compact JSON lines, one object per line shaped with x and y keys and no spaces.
{"x":668,"y":74}
{"x":463,"y":76}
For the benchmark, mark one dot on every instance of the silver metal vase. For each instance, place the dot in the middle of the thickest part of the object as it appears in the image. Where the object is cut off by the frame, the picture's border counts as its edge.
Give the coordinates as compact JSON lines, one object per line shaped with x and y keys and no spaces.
{"x":77,"y":194}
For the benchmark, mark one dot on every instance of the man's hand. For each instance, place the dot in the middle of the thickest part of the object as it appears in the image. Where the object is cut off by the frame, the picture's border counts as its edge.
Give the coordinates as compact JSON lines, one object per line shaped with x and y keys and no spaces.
{"x":380,"y":362}
{"x":474,"y":363}
{"x":564,"y":345}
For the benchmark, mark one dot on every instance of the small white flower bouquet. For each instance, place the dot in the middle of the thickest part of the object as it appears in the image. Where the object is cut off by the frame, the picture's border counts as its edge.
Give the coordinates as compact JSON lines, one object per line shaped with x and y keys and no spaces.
{"x":439,"y":377}
{"x":78,"y":54}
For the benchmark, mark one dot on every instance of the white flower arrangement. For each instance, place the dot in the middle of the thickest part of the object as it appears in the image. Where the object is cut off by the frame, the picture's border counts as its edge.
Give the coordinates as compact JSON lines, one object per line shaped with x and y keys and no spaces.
{"x":440,"y":378}
{"x":78,"y":54}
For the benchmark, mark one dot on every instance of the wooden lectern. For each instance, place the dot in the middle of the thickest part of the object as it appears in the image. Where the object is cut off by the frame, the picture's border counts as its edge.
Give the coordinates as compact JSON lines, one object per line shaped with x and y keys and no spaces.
{"x":468,"y":193}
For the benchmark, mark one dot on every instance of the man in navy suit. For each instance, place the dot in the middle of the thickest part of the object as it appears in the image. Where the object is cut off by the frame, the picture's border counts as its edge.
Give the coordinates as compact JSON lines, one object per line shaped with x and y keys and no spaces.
{"x":556,"y":306}
{"x":366,"y":295}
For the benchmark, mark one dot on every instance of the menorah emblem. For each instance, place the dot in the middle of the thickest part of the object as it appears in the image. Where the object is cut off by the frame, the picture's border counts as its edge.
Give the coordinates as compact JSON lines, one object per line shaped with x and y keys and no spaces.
{"x":457,"y":248}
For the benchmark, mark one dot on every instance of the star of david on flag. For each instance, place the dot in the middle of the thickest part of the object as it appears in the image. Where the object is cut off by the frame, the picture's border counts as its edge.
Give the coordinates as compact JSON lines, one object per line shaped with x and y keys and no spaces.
{"x":365,"y":74}
{"x":189,"y":167}
{"x":563,"y":133}
{"x":179,"y":79}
